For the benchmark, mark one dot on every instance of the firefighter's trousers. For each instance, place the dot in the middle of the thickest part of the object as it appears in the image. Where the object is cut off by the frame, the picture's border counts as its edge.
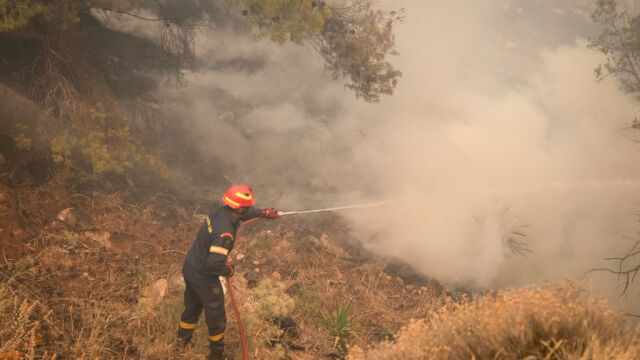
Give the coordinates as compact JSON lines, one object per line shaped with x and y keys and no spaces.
{"x":211,"y":299}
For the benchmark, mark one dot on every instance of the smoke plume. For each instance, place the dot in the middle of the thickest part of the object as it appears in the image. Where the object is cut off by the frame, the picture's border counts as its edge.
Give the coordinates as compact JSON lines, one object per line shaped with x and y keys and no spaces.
{"x":497,"y":130}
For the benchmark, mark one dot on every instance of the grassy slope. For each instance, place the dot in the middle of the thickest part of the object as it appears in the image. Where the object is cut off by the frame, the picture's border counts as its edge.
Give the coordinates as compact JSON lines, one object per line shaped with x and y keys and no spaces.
{"x":84,"y":298}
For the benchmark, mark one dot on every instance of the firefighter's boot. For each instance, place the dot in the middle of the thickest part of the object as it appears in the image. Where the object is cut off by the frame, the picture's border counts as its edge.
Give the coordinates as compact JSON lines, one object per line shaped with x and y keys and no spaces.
{"x":184,"y":336}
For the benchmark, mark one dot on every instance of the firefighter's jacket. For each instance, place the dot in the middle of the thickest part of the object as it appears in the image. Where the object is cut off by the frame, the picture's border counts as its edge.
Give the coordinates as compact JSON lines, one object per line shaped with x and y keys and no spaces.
{"x":207,"y":257}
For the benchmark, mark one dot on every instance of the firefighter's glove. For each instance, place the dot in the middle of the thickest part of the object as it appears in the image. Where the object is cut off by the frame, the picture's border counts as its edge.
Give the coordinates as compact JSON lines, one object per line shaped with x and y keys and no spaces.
{"x":270,"y":213}
{"x":230,"y":270}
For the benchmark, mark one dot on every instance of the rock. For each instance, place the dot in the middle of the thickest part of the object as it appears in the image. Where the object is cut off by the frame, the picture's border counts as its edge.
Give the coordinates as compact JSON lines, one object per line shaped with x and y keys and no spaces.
{"x":3,"y":198}
{"x":256,"y":262}
{"x":276,"y":276}
{"x":256,"y":270}
{"x":89,"y":277}
{"x":66,"y":216}
{"x":239,"y":257}
{"x":100,"y":237}
{"x":423,"y":289}
{"x":410,"y":287}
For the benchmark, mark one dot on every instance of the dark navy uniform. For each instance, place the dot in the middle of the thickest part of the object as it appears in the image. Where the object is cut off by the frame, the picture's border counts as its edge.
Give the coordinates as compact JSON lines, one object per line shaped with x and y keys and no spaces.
{"x":205,"y":262}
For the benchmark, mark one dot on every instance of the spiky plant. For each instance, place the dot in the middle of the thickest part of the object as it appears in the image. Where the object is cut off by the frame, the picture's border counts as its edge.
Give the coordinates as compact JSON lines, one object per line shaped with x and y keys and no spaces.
{"x":341,"y":324}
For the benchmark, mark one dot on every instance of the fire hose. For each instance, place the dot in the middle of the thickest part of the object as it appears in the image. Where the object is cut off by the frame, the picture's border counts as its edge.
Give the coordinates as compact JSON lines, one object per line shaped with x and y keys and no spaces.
{"x":237,"y":312}
{"x":235,"y":303}
{"x":283,"y":213}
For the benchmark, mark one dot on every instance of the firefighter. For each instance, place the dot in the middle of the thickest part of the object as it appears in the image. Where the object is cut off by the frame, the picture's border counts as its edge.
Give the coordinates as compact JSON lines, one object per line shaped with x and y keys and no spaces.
{"x":207,"y":261}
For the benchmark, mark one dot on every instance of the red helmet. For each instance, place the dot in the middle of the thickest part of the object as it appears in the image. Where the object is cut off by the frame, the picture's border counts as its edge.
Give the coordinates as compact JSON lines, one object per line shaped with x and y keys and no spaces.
{"x":238,"y":196}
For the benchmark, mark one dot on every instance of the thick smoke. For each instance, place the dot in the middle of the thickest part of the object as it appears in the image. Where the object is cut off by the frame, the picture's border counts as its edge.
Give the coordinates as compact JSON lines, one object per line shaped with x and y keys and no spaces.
{"x":496,"y":128}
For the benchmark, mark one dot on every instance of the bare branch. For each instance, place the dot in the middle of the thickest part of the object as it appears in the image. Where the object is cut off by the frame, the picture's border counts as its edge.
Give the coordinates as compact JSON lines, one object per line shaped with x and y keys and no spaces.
{"x":627,"y":274}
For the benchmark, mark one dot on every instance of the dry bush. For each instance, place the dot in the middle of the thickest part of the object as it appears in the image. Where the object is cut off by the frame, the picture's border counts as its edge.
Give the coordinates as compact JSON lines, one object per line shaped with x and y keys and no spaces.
{"x":21,"y":320}
{"x":154,"y":323}
{"x":97,"y":328}
{"x":531,"y":323}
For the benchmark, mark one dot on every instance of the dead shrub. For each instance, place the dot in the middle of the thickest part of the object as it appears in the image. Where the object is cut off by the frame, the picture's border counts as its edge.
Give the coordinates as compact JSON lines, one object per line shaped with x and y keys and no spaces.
{"x":533,"y":322}
{"x":21,"y":333}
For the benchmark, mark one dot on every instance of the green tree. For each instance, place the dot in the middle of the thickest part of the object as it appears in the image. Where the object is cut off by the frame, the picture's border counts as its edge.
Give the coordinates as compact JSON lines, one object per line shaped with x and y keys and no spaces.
{"x":354,"y":39}
{"x":355,"y":44}
{"x":285,"y":20}
{"x":47,"y":53}
{"x":619,"y":41}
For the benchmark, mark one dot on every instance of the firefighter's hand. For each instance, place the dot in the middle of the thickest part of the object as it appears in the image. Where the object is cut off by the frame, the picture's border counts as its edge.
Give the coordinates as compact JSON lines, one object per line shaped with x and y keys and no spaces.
{"x":270,"y":213}
{"x":230,"y":270}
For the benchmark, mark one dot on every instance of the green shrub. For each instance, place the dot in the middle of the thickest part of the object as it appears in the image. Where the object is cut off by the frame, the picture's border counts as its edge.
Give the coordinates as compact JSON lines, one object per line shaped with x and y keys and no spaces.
{"x":61,"y":149}
{"x":102,"y":157}
{"x":341,"y":324}
{"x":22,"y":140}
{"x":265,"y":302}
{"x":269,"y":299}
{"x":16,"y":14}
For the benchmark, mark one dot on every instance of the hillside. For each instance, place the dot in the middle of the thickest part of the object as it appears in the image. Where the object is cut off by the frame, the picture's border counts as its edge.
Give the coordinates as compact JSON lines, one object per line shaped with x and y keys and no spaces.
{"x":503,"y":167}
{"x":91,"y":269}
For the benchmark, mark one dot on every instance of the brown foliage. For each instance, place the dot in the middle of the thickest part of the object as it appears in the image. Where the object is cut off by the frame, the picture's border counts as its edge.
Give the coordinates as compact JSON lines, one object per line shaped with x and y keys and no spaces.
{"x":537,"y":323}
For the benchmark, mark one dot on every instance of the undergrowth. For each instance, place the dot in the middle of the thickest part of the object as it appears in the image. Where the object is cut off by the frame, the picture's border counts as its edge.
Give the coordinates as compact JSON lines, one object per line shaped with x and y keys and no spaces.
{"x":530,"y":323}
{"x":265,"y":302}
{"x":21,"y":330}
{"x":341,"y":324}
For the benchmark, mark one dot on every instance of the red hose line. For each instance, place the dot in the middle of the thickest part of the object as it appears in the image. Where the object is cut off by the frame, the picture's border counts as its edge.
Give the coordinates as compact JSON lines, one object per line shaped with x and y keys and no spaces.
{"x":238,"y":320}
{"x":235,"y":304}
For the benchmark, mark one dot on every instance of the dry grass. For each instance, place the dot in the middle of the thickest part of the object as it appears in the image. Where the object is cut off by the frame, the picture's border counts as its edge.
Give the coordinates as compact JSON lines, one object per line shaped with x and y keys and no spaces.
{"x":100,"y":308}
{"x":318,"y":274}
{"x":531,"y":323}
{"x":21,"y":332}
